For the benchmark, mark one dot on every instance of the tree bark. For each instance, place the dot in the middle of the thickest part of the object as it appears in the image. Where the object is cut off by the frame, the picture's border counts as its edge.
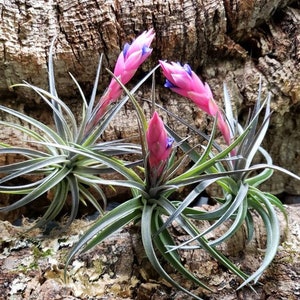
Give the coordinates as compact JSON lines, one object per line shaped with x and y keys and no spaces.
{"x":32,"y":266}
{"x":224,"y":41}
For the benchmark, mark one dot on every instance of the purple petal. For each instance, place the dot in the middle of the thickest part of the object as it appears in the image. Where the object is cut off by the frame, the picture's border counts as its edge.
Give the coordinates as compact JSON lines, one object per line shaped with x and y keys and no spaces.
{"x":169,"y":142}
{"x":145,"y":49}
{"x":188,"y":69}
{"x":169,"y":84}
{"x":125,"y":49}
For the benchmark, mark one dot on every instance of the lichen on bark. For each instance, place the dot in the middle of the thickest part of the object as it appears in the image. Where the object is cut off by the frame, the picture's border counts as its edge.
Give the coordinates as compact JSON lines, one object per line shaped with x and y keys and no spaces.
{"x":32,"y":266}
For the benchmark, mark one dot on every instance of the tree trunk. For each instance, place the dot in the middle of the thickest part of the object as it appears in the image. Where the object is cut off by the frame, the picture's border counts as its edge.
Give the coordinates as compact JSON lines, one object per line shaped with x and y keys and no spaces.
{"x":32,"y":267}
{"x":224,"y":41}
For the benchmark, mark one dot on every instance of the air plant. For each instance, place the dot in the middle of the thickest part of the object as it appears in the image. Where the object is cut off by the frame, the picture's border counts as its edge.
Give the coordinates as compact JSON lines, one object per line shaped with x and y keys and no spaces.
{"x":71,"y":159}
{"x":73,"y":148}
{"x":151,"y":203}
{"x":241,"y":196}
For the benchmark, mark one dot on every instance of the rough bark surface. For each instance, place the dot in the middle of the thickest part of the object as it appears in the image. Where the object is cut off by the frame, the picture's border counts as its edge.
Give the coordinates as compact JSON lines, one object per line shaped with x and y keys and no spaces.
{"x":32,"y":267}
{"x":231,"y":41}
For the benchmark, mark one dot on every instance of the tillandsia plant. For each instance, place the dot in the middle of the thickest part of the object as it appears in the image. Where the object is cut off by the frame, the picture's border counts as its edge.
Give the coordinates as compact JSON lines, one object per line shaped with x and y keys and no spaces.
{"x":66,"y":154}
{"x":151,"y":204}
{"x":70,"y":160}
{"x":241,"y":196}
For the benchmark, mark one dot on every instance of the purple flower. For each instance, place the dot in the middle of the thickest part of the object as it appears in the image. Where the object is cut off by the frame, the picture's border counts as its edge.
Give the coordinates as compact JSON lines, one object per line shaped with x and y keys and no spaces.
{"x":127,"y":63}
{"x":183,"y":81}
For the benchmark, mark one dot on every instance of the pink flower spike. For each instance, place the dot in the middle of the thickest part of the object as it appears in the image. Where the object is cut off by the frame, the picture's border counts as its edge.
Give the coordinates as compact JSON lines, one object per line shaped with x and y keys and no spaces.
{"x":158,"y":142}
{"x":185,"y":82}
{"x":223,"y":126}
{"x":131,"y":57}
{"x":134,"y":55}
{"x":128,"y":62}
{"x":142,"y":41}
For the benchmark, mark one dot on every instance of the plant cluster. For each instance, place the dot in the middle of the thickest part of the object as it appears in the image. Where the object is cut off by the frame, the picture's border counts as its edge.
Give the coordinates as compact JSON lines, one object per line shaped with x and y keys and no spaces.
{"x":71,"y":161}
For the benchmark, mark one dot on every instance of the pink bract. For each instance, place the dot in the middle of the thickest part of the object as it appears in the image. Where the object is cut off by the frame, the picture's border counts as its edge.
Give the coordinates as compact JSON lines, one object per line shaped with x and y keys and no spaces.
{"x":185,"y":82}
{"x":158,"y":142}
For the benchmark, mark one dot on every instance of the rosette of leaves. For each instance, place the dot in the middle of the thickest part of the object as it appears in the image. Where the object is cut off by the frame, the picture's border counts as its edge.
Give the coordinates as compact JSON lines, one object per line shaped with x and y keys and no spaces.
{"x":240,"y":187}
{"x":151,"y":203}
{"x":65,"y":155}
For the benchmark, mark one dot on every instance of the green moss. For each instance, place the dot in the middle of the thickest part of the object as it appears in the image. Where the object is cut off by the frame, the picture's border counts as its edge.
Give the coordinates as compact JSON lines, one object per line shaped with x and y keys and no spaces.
{"x":37,"y":253}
